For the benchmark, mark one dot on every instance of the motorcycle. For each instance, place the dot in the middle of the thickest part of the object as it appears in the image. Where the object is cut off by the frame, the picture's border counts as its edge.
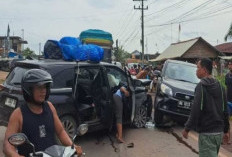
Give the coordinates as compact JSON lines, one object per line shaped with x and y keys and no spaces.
{"x":53,"y":151}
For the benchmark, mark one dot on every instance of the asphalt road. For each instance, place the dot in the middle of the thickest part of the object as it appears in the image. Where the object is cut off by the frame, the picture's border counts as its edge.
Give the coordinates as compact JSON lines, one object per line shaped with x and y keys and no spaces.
{"x":152,"y":142}
{"x":147,"y":143}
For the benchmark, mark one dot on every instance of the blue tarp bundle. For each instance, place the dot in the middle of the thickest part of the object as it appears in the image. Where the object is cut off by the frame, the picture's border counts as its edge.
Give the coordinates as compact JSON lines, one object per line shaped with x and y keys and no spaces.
{"x":12,"y":54}
{"x":70,"y":41}
{"x":70,"y":48}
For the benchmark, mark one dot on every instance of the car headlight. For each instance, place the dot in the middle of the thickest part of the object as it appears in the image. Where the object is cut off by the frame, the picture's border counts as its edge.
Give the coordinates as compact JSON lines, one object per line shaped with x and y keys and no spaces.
{"x":166,"y":90}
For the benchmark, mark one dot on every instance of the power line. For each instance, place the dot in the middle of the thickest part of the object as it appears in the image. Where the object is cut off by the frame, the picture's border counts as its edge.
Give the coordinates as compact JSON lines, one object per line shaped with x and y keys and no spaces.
{"x":195,"y":8}
{"x":127,"y":31}
{"x":124,"y":21}
{"x":167,"y":8}
{"x":127,"y":23}
{"x":199,"y":17}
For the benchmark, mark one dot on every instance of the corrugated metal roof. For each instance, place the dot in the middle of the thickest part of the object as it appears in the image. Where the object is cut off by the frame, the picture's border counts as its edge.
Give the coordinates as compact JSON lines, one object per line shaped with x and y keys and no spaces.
{"x":176,"y":50}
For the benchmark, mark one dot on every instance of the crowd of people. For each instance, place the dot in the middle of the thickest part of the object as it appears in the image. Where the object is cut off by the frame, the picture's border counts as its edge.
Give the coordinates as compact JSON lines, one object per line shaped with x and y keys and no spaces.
{"x":143,"y":72}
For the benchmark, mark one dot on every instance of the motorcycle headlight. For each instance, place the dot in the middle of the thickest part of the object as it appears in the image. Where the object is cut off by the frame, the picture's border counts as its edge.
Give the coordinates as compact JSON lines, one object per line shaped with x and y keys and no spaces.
{"x":166,"y":90}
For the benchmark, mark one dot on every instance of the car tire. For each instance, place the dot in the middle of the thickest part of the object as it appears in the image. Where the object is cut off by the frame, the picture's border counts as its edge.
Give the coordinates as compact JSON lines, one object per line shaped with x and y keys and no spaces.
{"x":140,"y":117}
{"x":158,"y":117}
{"x":70,"y":125}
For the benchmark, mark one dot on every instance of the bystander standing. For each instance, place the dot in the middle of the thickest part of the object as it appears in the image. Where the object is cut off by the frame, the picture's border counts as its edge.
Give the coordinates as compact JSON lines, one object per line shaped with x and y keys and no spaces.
{"x":228,"y":82}
{"x":209,"y":114}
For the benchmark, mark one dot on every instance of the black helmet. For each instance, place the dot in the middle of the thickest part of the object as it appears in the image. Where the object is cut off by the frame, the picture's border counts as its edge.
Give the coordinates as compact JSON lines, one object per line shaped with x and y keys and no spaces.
{"x":35,"y":77}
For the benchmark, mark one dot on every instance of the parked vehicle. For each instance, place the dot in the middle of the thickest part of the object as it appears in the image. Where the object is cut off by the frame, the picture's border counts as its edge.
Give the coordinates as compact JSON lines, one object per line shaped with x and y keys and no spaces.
{"x":91,"y":100}
{"x":175,"y":90}
{"x":20,"y":139}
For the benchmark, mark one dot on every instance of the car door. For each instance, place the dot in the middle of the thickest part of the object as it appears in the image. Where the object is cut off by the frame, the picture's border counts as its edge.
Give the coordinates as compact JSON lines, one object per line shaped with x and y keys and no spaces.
{"x":102,"y":98}
{"x":115,"y":76}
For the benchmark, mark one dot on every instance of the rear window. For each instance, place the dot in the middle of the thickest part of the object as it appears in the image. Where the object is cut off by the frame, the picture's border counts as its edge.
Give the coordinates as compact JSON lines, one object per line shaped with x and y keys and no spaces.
{"x":62,"y":78}
{"x":15,"y":76}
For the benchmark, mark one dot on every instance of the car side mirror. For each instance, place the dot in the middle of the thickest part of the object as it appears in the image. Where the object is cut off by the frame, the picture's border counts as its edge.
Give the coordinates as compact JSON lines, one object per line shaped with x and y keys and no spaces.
{"x":137,"y":83}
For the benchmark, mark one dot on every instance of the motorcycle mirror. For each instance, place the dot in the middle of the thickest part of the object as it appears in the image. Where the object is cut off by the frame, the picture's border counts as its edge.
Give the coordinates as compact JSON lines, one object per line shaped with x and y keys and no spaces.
{"x":82,"y":129}
{"x":17,"y":139}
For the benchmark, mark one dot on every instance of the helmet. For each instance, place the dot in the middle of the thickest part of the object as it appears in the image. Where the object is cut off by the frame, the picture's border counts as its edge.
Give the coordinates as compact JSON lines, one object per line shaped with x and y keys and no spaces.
{"x":35,"y":77}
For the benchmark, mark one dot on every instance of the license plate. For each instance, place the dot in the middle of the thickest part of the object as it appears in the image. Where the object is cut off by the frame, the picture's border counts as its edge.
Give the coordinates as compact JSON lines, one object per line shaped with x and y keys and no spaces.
{"x":10,"y":102}
{"x":184,"y":104}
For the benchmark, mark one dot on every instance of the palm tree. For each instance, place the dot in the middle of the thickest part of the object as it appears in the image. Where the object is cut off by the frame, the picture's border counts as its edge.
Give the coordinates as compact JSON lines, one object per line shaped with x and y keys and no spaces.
{"x":229,"y":34}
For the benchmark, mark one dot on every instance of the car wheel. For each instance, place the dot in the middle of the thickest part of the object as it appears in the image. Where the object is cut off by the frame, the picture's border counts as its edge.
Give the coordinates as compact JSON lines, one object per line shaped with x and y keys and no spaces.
{"x":140,"y":117}
{"x":158,"y":117}
{"x":70,"y":125}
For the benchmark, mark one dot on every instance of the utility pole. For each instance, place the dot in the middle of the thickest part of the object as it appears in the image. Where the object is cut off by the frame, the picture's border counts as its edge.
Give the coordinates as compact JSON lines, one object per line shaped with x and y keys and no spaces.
{"x":8,"y":41}
{"x":23,"y":39}
{"x":40,"y":48}
{"x":147,"y":50}
{"x":142,"y":25}
{"x":179,"y":33}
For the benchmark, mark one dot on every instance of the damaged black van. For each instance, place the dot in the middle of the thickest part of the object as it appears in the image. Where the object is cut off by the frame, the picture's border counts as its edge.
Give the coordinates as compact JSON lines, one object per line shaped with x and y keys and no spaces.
{"x":81,"y":93}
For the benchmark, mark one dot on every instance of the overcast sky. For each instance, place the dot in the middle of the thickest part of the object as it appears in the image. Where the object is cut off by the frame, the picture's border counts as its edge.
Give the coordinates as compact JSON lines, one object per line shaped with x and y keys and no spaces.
{"x":52,"y":19}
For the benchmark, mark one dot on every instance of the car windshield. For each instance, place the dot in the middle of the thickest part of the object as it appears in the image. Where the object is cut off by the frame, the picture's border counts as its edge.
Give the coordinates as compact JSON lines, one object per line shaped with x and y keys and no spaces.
{"x":182,"y":72}
{"x":15,"y":76}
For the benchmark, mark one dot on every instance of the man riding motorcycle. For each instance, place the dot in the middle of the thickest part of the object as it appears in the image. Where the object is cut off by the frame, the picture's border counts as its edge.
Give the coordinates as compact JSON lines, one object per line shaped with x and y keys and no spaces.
{"x":37,"y":118}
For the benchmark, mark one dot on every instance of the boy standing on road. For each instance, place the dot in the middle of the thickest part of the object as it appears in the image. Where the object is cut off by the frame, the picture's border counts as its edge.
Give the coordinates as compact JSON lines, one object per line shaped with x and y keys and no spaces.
{"x":209,"y":114}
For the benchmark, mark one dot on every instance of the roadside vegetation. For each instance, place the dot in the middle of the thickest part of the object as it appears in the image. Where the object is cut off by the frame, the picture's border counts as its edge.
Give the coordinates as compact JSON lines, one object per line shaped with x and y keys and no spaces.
{"x":221,"y":79}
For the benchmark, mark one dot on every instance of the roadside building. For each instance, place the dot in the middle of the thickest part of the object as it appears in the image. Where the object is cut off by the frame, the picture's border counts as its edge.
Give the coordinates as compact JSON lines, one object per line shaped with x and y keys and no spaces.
{"x":136,"y":57}
{"x":16,"y":44}
{"x":225,"y":48}
{"x":189,"y":50}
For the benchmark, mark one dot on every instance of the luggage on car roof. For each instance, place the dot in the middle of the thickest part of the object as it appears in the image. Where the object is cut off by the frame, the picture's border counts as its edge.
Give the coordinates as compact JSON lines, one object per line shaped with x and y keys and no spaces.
{"x":70,"y":48}
{"x":98,"y":37}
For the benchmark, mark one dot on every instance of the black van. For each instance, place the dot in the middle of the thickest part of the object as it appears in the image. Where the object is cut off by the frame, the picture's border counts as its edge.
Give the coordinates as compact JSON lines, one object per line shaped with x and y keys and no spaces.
{"x":175,"y":90}
{"x":81,"y":93}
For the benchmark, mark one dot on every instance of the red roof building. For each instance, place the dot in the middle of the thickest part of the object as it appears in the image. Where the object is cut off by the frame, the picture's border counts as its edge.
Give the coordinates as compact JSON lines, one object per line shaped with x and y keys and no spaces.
{"x":225,"y":48}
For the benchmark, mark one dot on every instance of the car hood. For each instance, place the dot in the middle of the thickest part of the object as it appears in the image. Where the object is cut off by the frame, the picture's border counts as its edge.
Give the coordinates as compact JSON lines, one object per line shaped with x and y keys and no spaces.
{"x":180,"y":86}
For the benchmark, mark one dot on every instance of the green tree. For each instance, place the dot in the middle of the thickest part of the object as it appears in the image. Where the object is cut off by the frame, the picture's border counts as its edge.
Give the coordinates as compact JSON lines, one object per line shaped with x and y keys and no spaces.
{"x":28,"y":52}
{"x":121,"y":55}
{"x":229,"y":33}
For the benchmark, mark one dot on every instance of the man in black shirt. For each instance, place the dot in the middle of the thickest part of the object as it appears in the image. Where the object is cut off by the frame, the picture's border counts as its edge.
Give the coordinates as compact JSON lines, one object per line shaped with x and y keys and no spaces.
{"x":37,"y":118}
{"x":209,"y":115}
{"x":228,"y":82}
